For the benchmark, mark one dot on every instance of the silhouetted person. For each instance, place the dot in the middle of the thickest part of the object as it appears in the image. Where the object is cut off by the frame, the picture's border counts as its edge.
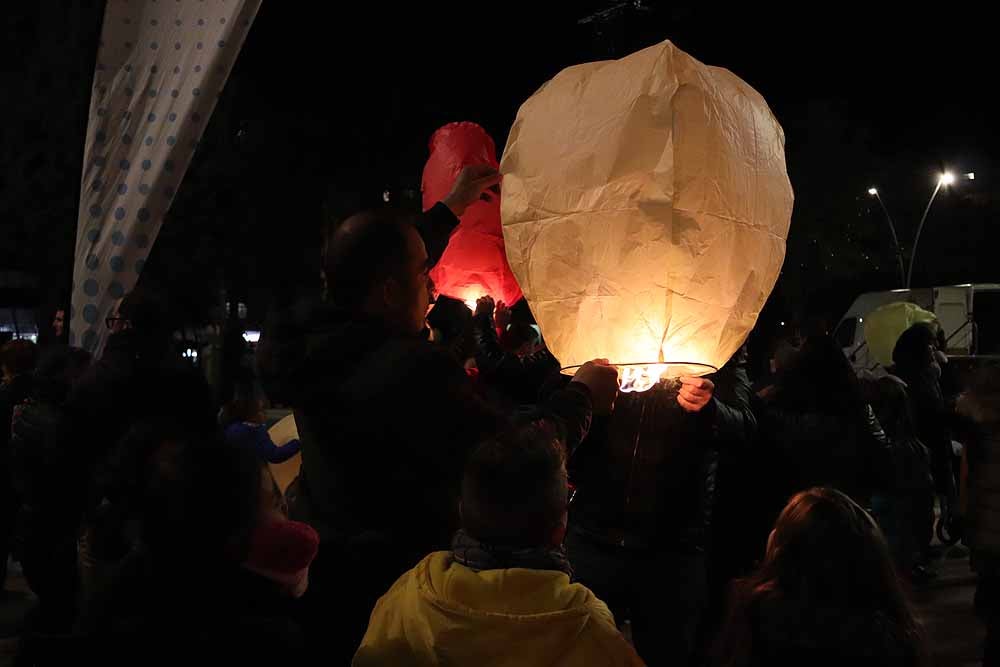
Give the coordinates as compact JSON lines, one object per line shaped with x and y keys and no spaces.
{"x":826,"y":594}
{"x":502,"y":594}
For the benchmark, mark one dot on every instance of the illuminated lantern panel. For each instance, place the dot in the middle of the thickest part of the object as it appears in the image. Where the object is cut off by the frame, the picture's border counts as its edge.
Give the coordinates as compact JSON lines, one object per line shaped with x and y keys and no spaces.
{"x":645,"y":210}
{"x":474,"y":263}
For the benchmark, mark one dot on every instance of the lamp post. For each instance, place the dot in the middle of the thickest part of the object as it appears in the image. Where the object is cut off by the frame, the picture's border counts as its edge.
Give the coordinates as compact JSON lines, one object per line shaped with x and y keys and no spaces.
{"x":895,"y":238}
{"x":944,"y":180}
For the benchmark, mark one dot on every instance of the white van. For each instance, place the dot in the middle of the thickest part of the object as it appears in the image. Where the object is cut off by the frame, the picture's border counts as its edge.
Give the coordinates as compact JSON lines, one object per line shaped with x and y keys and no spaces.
{"x":968,"y":314}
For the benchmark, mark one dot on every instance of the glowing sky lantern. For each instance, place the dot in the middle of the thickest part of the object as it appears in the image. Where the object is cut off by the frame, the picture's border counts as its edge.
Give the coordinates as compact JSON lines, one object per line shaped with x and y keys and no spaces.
{"x":474,"y":264}
{"x":645,"y":210}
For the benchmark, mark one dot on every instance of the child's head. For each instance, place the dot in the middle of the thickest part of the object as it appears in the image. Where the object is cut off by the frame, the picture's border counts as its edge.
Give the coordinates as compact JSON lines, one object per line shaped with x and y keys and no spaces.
{"x":514,"y":493}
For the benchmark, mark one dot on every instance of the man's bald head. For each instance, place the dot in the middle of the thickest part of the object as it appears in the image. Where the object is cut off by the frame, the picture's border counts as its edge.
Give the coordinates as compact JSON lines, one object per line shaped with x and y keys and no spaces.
{"x":376,"y":263}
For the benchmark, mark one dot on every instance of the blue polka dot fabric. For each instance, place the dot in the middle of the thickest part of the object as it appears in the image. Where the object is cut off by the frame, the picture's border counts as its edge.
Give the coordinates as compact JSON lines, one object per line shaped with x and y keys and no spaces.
{"x":160,"y":69}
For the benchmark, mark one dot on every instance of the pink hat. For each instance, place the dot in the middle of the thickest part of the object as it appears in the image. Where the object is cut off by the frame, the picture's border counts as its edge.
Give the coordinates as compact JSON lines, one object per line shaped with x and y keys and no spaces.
{"x":282,"y":551}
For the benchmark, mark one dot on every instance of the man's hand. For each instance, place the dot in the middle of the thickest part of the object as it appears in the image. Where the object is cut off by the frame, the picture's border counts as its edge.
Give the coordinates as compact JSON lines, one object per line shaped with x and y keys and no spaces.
{"x":484,"y":306}
{"x":601,"y":378}
{"x":502,"y":316}
{"x":472,"y":184}
{"x":695,"y":393}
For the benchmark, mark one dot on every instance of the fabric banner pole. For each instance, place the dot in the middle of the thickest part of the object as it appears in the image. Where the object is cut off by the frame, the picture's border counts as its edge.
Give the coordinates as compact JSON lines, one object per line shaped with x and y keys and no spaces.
{"x":160,"y":70}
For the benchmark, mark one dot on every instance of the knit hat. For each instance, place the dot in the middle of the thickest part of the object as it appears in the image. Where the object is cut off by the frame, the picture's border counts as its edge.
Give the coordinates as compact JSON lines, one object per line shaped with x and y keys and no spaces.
{"x":282,"y":551}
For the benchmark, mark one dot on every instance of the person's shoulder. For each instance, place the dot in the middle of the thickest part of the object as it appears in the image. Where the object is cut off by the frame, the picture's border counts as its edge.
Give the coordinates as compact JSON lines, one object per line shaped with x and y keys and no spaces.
{"x":608,"y":641}
{"x":412,"y":359}
{"x":410,"y":585}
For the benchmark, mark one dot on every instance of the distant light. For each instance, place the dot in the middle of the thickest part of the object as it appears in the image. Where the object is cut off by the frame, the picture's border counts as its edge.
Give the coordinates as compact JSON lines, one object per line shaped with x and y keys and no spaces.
{"x":386,"y":196}
{"x":191,"y":354}
{"x":782,"y":324}
{"x":251,"y":336}
{"x":900,"y":290}
{"x":971,"y":176}
{"x":873,"y":192}
{"x":947,"y":178}
{"x":861,"y":320}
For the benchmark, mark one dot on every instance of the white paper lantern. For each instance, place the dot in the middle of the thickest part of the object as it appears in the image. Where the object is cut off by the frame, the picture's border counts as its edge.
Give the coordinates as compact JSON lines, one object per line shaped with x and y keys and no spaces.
{"x":645,"y":210}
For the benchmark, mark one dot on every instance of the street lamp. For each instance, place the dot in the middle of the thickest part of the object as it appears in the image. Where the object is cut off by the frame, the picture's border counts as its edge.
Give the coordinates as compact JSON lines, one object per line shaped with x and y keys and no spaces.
{"x":944,"y":180}
{"x":892,"y":227}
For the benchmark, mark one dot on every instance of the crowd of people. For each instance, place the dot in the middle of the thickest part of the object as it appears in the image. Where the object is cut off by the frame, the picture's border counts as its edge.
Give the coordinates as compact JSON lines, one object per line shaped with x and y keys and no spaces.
{"x":460,"y":502}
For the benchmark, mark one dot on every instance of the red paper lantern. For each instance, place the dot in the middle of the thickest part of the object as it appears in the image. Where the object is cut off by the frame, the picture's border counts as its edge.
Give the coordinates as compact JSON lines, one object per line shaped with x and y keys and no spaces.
{"x":475,"y":261}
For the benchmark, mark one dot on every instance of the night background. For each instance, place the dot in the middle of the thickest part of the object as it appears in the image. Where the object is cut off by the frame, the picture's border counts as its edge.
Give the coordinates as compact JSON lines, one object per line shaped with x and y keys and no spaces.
{"x":329,"y":107}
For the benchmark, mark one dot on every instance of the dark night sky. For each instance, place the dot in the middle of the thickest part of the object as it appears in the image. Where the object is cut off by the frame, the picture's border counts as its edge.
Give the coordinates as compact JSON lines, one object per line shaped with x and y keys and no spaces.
{"x":328,"y":106}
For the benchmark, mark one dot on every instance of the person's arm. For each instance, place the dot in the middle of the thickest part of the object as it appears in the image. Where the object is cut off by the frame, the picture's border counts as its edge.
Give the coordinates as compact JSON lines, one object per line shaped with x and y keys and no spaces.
{"x":268,"y":451}
{"x":489,"y":355}
{"x":573,"y":408}
{"x":438,"y":222}
{"x":591,"y":392}
{"x":729,"y":414}
{"x":435,"y":227}
{"x":500,"y":366}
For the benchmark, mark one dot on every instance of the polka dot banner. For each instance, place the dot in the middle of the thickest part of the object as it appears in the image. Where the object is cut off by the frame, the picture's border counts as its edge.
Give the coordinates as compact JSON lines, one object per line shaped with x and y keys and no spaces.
{"x":161,"y":67}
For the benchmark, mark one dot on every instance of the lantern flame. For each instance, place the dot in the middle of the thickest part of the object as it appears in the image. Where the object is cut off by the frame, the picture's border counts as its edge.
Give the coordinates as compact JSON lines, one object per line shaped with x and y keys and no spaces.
{"x":640,"y":377}
{"x":469,"y":296}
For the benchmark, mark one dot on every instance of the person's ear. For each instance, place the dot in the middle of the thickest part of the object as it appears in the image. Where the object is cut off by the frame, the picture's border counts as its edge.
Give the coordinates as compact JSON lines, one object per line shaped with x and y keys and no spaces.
{"x":390,"y":292}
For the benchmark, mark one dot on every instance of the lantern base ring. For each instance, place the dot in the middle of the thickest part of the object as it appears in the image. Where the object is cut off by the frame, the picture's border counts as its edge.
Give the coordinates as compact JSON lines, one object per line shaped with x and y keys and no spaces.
{"x":641,"y":376}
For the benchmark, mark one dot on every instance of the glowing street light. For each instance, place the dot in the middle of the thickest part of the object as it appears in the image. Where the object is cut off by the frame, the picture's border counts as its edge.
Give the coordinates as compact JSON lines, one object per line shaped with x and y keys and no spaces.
{"x":946,"y":179}
{"x":873,"y":191}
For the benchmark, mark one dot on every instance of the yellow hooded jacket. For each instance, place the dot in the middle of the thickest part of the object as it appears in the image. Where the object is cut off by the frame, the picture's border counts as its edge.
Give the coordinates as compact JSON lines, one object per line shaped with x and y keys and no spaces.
{"x":443,"y":613}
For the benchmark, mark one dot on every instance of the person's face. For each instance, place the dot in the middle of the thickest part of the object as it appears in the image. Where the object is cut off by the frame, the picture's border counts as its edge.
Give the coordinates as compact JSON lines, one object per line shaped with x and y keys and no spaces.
{"x":58,"y":322}
{"x":409,"y":295}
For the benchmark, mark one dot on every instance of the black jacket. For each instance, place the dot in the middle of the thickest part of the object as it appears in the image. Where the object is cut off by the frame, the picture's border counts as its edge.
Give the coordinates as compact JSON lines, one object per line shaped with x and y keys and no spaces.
{"x":933,"y":420}
{"x":851,"y":454}
{"x":386,"y":424}
{"x":645,"y":477}
{"x":518,"y":378}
